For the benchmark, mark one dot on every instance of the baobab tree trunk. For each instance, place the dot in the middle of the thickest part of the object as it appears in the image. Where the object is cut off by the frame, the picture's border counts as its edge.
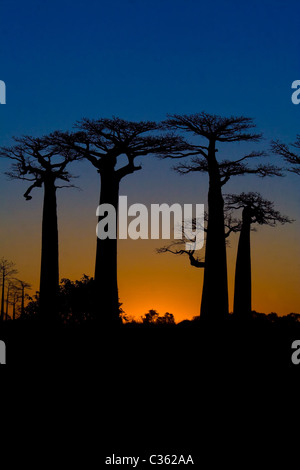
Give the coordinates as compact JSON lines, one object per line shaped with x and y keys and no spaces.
{"x":214,"y":304}
{"x":242,"y":286}
{"x":106,"y":284}
{"x":49,"y":280}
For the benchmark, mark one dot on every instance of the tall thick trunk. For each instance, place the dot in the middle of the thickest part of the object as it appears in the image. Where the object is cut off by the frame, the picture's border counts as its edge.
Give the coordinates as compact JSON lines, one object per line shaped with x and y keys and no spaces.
{"x":214,"y":304}
{"x":242,"y":286}
{"x":2,"y":298}
{"x":106,"y":284}
{"x":49,"y":280}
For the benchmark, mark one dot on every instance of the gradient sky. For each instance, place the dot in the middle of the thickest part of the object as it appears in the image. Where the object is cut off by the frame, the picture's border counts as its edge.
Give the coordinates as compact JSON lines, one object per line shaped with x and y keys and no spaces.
{"x":140,"y":60}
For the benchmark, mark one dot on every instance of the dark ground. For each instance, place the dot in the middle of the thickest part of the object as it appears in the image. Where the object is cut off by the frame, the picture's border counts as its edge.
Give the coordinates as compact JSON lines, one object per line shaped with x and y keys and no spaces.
{"x":256,"y":344}
{"x":193,"y":389}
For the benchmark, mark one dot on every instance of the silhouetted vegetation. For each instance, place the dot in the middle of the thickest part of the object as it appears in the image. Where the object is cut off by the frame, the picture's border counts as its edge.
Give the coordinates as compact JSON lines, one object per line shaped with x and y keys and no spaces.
{"x":153,"y":318}
{"x":7,"y":271}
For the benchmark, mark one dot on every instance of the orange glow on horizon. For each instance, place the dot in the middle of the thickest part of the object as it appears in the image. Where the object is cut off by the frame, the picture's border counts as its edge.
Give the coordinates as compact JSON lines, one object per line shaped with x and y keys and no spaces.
{"x":163,"y":282}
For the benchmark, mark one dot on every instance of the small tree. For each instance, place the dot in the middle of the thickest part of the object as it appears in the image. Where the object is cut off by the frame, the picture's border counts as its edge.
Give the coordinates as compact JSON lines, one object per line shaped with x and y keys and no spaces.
{"x":255,"y":210}
{"x":22,"y":288}
{"x":7,"y":270}
{"x":153,"y":318}
{"x":15,"y":297}
{"x":150,"y":317}
{"x":166,"y":319}
{"x":40,"y":162}
{"x":76,"y":304}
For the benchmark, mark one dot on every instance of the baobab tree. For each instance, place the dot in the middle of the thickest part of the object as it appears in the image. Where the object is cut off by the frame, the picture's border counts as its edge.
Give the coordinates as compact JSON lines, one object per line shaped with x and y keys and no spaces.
{"x":39,"y":162}
{"x":7,"y":270}
{"x":178,"y":247}
{"x":255,"y":210}
{"x":102,"y":142}
{"x":215,"y":130}
{"x":290,"y":156}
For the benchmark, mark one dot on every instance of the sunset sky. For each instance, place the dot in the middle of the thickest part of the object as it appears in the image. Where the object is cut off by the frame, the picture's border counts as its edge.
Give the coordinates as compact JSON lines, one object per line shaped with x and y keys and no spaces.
{"x":140,"y":60}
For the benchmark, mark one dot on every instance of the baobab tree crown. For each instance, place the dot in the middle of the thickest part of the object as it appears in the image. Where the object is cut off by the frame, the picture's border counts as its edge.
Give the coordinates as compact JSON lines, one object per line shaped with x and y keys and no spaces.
{"x":257,"y":209}
{"x":38,"y":160}
{"x":102,"y":141}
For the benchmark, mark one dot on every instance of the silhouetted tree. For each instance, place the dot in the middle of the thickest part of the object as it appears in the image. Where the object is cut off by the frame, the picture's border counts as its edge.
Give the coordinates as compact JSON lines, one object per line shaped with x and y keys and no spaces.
{"x":22,"y":287}
{"x":76,"y":300}
{"x":288,"y":154}
{"x":166,"y":319}
{"x":7,"y":270}
{"x":14,"y":294}
{"x":153,"y":318}
{"x":15,"y":297}
{"x":38,"y":161}
{"x":150,"y":317}
{"x":255,"y":210}
{"x":102,"y":142}
{"x":216,"y":129}
{"x":126,"y":319}
{"x":32,"y":309}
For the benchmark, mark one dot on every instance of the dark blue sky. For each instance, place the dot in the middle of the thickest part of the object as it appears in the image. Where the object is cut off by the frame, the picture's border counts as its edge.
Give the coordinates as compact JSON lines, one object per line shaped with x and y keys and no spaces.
{"x":62,"y":60}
